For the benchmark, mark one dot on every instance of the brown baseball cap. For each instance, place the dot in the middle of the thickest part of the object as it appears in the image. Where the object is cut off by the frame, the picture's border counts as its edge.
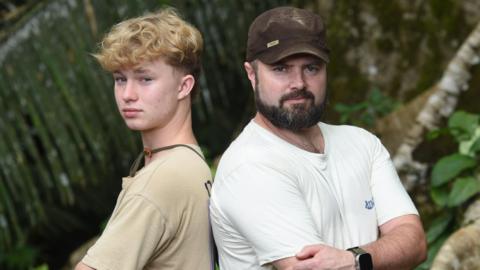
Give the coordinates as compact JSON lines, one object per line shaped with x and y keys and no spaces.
{"x":284,"y":31}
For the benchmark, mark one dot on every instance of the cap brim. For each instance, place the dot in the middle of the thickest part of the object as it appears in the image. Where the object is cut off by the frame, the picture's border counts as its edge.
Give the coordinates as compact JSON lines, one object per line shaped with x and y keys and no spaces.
{"x":276,"y":55}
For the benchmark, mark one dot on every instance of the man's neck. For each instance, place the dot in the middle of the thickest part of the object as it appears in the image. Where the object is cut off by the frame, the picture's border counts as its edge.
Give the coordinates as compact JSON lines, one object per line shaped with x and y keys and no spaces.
{"x":309,"y":139}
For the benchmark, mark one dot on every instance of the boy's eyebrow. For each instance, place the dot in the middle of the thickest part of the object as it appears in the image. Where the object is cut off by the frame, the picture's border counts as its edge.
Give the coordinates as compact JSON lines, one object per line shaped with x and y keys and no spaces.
{"x":141,"y":71}
{"x":136,"y":71}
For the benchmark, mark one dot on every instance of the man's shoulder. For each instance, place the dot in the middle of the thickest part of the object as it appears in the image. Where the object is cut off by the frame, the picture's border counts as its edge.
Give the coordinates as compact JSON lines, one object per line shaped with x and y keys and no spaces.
{"x":346,"y":133}
{"x":344,"y":129}
{"x":250,"y":147}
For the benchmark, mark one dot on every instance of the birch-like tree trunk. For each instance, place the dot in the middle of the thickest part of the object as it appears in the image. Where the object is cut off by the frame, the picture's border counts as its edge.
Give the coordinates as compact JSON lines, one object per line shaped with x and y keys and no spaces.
{"x":461,"y":251}
{"x":440,"y":104}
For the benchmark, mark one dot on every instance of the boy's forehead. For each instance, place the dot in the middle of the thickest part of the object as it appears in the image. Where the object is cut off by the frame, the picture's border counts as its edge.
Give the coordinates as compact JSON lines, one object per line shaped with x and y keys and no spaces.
{"x":141,"y":67}
{"x":158,"y":64}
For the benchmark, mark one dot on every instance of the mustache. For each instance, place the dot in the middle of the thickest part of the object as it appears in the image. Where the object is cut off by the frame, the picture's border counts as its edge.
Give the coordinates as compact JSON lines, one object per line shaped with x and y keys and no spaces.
{"x":302,"y":93}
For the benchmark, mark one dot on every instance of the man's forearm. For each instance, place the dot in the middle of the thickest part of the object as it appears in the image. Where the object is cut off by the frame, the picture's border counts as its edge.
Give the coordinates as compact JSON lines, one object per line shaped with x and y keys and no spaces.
{"x":402,"y":244}
{"x":82,"y":266}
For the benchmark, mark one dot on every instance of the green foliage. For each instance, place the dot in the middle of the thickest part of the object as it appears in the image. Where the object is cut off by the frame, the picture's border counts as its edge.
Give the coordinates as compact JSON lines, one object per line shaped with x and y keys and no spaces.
{"x":436,"y":236}
{"x":41,"y":267}
{"x":438,"y":226}
{"x":366,"y":112}
{"x":20,"y":257}
{"x":463,"y":125}
{"x":449,"y":167}
{"x":455,"y":179}
{"x":439,"y":195}
{"x":463,"y":189}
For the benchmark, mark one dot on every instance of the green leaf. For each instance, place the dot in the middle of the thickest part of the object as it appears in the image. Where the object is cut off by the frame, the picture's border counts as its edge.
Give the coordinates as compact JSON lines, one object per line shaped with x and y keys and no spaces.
{"x":463,"y":189}
{"x":475,"y":146}
{"x":438,"y":226}
{"x":431,"y":135}
{"x":439,"y":195}
{"x":21,"y":257}
{"x":463,"y":125}
{"x":449,"y":167}
{"x":342,"y":108}
{"x":471,"y":146}
{"x":41,"y":267}
{"x":359,"y":106}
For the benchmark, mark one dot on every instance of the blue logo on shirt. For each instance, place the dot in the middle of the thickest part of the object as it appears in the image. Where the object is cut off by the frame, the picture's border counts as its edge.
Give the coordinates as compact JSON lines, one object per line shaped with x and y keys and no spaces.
{"x":369,"y":204}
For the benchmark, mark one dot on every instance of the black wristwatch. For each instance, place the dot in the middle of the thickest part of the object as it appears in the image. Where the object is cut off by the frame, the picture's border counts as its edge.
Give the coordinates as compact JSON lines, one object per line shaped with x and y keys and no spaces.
{"x":363,"y":259}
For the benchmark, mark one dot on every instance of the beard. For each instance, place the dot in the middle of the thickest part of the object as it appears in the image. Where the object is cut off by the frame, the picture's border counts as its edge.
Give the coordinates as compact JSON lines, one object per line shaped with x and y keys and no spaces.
{"x":295,"y":118}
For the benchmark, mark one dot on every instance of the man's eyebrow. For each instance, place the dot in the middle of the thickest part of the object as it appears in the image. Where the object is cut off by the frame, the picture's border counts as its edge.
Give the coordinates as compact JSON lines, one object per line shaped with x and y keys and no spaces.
{"x":279,"y":63}
{"x":316,"y":62}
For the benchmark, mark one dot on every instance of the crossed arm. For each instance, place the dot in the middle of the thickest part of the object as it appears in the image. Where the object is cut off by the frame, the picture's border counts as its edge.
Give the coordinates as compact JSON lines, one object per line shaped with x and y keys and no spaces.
{"x":82,"y":266}
{"x":402,"y":245}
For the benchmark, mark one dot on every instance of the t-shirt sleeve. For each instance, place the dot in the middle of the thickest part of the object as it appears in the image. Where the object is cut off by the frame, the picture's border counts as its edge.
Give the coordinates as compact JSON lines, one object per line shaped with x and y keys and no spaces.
{"x":266,"y":207}
{"x":391,"y":198}
{"x":130,"y":238}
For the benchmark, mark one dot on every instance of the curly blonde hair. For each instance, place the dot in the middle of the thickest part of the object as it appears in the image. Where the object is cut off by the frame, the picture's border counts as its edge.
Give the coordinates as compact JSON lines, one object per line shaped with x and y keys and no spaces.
{"x":146,"y":38}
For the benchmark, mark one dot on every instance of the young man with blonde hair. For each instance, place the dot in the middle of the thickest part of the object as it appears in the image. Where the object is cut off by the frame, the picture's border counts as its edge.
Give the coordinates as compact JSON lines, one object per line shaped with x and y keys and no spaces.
{"x":160,"y":220}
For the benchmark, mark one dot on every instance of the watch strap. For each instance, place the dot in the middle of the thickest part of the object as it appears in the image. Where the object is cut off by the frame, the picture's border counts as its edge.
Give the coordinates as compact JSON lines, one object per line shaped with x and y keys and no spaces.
{"x":357,"y":251}
{"x":363,"y":259}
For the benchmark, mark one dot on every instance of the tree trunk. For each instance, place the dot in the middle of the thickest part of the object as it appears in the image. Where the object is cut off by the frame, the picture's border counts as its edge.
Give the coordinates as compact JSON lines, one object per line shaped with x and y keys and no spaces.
{"x":441,"y":103}
{"x":461,"y":251}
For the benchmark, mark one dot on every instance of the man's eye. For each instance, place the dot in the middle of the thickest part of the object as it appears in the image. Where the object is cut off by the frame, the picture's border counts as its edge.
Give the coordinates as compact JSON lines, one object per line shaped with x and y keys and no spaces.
{"x":313,"y":68}
{"x":280,"y":68}
{"x":146,"y":79}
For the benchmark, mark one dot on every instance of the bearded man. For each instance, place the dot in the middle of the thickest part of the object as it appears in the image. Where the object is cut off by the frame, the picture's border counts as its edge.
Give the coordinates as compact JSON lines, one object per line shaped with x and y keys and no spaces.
{"x":292,"y":192}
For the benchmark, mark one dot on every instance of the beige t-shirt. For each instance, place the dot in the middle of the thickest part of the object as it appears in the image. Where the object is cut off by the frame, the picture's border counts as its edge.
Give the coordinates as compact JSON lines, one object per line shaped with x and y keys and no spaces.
{"x":160,"y":220}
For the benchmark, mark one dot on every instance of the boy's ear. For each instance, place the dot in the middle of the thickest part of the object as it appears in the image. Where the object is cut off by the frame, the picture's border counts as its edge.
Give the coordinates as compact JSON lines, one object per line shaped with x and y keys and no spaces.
{"x":186,"y":86}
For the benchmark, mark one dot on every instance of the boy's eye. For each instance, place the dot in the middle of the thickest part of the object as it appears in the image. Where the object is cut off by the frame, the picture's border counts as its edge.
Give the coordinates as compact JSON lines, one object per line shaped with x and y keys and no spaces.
{"x":119,"y":79}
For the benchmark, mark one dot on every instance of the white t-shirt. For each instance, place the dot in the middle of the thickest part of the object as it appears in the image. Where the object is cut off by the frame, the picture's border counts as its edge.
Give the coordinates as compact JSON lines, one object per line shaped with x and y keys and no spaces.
{"x":271,"y":198}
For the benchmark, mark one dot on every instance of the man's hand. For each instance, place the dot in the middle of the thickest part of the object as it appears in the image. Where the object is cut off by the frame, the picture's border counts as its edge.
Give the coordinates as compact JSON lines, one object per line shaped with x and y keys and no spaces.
{"x":317,"y":257}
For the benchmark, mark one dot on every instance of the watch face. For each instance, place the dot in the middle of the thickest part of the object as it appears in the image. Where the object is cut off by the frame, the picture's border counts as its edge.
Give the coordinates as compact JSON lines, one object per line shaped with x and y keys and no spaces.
{"x":365,"y":261}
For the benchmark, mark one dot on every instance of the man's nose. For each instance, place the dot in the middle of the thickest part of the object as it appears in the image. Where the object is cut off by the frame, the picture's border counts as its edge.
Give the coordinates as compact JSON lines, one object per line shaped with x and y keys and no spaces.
{"x":297,"y":80}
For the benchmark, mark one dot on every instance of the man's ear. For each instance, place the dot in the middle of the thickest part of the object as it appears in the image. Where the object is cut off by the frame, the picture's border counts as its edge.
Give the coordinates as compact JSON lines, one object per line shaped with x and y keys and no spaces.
{"x":250,"y":73}
{"x":186,"y":86}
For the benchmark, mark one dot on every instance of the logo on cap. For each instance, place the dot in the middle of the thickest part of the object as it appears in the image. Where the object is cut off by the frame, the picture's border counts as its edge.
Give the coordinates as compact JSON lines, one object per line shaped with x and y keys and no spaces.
{"x":272,"y":43}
